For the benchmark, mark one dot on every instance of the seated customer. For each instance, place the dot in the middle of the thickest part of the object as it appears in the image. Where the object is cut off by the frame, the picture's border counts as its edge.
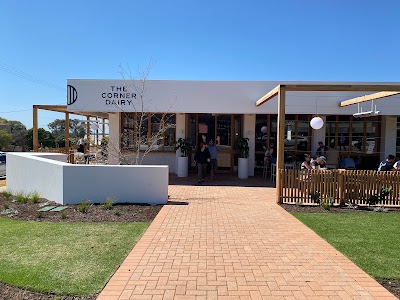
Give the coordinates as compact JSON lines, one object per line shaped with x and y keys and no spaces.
{"x":396,"y":166}
{"x":347,"y":163}
{"x":319,"y":163}
{"x":306,"y":164}
{"x":387,"y":165}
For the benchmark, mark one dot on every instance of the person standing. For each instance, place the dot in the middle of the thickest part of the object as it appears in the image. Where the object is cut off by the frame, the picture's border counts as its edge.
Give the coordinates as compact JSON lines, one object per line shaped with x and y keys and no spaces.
{"x":212,"y":148}
{"x":201,"y":158}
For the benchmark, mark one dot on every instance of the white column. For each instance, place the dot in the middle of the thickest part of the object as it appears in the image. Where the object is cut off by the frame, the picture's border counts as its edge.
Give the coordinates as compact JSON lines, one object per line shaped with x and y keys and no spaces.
{"x":114,"y":138}
{"x":388,"y":134}
{"x":318,"y":136}
{"x":180,"y":133}
{"x":249,"y":125}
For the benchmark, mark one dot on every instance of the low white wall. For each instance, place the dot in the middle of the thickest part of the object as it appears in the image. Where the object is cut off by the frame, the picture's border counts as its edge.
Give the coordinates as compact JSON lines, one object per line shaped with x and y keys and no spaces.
{"x":70,"y":184}
{"x":30,"y":172}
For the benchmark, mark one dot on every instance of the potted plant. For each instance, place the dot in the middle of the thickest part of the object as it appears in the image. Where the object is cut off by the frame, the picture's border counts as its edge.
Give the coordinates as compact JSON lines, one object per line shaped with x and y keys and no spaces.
{"x":184,"y":146}
{"x":242,"y":151}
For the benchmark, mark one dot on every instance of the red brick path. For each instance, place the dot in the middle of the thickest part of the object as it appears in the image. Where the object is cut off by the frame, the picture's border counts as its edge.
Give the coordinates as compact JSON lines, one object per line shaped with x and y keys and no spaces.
{"x":232,"y":242}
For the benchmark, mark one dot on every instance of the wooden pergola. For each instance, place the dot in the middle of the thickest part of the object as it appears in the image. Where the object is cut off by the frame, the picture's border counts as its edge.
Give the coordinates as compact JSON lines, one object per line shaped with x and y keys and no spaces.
{"x":64,"y":109}
{"x":381,"y":91}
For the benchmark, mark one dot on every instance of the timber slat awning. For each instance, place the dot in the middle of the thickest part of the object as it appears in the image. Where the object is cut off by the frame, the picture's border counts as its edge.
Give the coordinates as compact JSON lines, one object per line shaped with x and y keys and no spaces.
{"x":382,"y":91}
{"x":63,"y":109}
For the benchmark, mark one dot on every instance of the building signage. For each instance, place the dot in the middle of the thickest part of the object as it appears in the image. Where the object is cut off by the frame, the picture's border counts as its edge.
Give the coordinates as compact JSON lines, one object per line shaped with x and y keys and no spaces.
{"x":118,"y":95}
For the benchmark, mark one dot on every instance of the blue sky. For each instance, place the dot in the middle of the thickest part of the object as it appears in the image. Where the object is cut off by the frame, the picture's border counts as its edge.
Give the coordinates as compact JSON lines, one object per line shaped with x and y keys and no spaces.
{"x":43,"y":43}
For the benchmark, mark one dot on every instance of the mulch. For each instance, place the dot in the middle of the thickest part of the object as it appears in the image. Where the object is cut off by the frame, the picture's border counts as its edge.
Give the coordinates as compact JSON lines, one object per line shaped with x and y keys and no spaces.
{"x":391,"y":284}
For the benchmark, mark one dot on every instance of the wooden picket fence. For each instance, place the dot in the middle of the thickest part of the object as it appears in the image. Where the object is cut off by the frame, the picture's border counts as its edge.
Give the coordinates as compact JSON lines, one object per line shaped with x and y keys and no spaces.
{"x":337,"y":186}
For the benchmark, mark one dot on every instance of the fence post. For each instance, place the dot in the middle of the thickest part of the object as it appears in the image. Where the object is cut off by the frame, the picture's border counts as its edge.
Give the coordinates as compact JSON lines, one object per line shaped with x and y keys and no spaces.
{"x":341,"y":186}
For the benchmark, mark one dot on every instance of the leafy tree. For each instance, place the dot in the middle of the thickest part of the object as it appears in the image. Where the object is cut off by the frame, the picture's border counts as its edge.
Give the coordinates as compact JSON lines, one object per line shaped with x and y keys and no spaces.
{"x":46,"y":138}
{"x":5,"y":139}
{"x":77,"y":129}
{"x":18,"y":133}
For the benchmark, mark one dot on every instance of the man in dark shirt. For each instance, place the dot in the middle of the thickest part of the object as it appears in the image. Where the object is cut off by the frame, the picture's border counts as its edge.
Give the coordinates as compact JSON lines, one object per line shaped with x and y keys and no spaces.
{"x":321,"y":151}
{"x":387,"y":165}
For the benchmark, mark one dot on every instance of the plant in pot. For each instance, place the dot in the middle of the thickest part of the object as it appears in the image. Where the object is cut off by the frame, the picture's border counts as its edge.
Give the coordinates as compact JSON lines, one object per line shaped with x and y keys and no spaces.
{"x":242,"y":151}
{"x":184,"y":146}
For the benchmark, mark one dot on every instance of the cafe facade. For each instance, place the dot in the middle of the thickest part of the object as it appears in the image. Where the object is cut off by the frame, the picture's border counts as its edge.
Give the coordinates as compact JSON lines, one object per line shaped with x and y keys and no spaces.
{"x":199,"y":110}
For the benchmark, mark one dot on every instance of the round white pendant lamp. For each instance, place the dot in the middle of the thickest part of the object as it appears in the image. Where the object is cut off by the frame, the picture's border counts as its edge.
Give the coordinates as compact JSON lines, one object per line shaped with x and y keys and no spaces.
{"x":316,"y":123}
{"x":264,"y":129}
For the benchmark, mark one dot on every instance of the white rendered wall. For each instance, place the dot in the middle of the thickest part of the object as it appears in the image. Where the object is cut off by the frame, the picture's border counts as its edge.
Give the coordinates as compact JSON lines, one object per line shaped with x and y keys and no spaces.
{"x":114,"y":138}
{"x":128,"y":184}
{"x":70,"y":184}
{"x":389,"y":133}
{"x":249,"y":124}
{"x":36,"y":172}
{"x":223,"y":97}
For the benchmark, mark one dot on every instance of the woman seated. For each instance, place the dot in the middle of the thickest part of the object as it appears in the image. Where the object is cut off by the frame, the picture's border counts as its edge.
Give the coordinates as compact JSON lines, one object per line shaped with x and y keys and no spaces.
{"x":306,"y":164}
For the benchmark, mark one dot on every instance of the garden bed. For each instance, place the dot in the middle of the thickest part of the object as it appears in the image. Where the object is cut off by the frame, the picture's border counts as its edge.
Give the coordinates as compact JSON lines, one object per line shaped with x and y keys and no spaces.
{"x":95,"y":213}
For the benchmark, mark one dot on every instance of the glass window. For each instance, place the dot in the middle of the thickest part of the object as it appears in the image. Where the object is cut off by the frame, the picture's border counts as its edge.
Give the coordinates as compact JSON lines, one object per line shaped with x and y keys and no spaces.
{"x":157,"y":127}
{"x":303,"y":136}
{"x":169,"y":133}
{"x":330,"y":132}
{"x":224,"y":129}
{"x":261,"y":132}
{"x":135,"y":129}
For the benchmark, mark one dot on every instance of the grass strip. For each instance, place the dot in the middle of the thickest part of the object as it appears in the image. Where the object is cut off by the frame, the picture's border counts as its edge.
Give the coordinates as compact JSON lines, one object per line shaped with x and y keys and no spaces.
{"x":370,"y":240}
{"x":64,"y":258}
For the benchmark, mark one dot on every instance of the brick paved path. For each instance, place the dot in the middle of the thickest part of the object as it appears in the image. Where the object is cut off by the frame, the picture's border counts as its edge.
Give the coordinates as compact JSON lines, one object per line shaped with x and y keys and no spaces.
{"x":232,"y":242}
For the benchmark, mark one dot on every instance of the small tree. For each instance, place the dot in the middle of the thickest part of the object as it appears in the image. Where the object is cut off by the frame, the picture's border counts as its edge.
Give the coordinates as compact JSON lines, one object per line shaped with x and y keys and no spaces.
{"x":242,"y":147}
{"x":143,"y":142}
{"x":184,"y":145}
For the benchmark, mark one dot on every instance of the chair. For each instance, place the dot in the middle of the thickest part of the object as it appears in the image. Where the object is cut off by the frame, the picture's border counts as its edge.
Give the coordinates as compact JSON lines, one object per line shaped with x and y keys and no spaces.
{"x":273,"y":172}
{"x":80,"y":158}
{"x":267,"y":163}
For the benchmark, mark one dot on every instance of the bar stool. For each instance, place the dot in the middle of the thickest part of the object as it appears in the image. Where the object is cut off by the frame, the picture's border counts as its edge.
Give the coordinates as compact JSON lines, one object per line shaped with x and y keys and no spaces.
{"x":273,"y":172}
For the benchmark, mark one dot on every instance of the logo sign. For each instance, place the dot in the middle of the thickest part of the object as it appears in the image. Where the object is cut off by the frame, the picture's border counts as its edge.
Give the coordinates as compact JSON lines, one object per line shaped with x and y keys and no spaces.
{"x":72,"y":94}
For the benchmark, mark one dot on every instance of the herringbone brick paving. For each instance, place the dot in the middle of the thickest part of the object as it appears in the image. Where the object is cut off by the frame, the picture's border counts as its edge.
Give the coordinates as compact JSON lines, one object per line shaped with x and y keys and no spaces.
{"x":231,"y":242}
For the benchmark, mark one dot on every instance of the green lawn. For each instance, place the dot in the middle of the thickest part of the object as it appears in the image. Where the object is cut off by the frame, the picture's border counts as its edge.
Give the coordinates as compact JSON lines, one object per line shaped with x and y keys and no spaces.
{"x":370,"y":240}
{"x":64,"y":258}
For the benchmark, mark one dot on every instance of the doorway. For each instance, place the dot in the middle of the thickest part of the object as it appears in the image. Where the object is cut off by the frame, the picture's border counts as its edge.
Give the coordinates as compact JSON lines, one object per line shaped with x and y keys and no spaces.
{"x":203,"y":127}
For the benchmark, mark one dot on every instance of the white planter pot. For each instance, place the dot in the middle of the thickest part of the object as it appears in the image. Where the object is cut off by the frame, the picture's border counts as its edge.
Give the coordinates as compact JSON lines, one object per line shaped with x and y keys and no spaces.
{"x":243,"y":168}
{"x":183,"y":166}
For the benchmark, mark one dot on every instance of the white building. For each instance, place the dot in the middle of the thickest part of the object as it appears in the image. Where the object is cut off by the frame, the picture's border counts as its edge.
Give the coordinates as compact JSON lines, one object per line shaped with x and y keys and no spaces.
{"x":227,"y":109}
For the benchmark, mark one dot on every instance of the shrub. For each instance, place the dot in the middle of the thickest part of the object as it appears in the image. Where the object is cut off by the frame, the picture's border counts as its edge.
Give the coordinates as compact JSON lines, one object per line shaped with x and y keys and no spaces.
{"x":109,"y":203}
{"x":315,"y":197}
{"x":6,"y":205}
{"x":35,"y":197}
{"x":116,"y":212}
{"x":375,"y":199}
{"x":21,"y":197}
{"x":6,"y":194}
{"x":326,"y":205}
{"x":63,"y":215}
{"x":83,"y":207}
